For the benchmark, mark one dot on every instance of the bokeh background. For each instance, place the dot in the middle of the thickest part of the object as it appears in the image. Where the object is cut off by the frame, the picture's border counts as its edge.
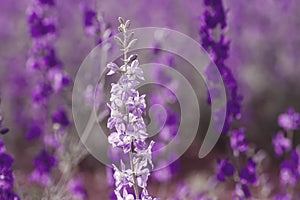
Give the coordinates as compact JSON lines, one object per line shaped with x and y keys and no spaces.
{"x":264,"y":58}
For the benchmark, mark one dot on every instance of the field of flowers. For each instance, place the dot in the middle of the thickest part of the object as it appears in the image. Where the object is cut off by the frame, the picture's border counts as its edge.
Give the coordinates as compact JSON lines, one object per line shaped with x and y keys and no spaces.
{"x":150,"y":100}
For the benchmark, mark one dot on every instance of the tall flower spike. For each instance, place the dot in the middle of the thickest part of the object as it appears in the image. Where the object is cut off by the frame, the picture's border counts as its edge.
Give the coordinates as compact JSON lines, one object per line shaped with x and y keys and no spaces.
{"x":6,"y":172}
{"x":129,"y":133}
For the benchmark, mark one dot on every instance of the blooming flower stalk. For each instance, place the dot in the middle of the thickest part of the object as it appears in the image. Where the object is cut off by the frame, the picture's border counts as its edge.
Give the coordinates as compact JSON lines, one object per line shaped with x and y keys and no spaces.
{"x":51,"y":78}
{"x":129,"y":133}
{"x":214,"y":21}
{"x":283,"y":146}
{"x":6,"y":172}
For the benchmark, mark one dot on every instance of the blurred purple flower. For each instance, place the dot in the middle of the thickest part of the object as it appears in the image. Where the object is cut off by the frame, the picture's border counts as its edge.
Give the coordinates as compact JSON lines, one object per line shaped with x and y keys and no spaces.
{"x":6,"y":172}
{"x":224,"y":169}
{"x":34,"y":131}
{"x":281,"y":144}
{"x":43,"y":163}
{"x":77,"y":189}
{"x":6,"y":176}
{"x":289,"y":172}
{"x":248,"y":175}
{"x":91,"y":24}
{"x":241,"y":192}
{"x":48,"y":2}
{"x":218,"y":49}
{"x":60,"y":117}
{"x":290,"y":120}
{"x":238,"y":141}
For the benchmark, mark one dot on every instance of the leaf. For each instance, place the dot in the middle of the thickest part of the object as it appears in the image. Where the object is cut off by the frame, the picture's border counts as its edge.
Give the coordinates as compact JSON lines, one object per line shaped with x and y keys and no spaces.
{"x":131,"y":43}
{"x":130,"y":36}
{"x":119,"y":41}
{"x":127,"y":24}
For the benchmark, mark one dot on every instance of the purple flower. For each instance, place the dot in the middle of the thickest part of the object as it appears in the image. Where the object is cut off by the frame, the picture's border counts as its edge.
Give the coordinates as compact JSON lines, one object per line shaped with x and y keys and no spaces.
{"x":126,"y":121}
{"x":248,"y":174}
{"x":43,"y":163}
{"x":39,"y":27}
{"x":238,"y":141}
{"x":34,"y":131}
{"x":50,"y":59}
{"x":60,"y":117}
{"x":41,"y":93}
{"x":218,"y":49}
{"x":224,"y":170}
{"x":241,"y":192}
{"x":290,"y":120}
{"x":6,"y":173}
{"x":91,"y":24}
{"x":6,"y":176}
{"x":77,"y":189}
{"x":289,"y":172}
{"x":281,"y":144}
{"x":58,"y":78}
{"x":48,"y":2}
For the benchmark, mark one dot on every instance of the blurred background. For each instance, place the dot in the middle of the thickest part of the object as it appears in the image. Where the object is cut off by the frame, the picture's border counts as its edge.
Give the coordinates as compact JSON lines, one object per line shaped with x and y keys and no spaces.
{"x":263,"y":56}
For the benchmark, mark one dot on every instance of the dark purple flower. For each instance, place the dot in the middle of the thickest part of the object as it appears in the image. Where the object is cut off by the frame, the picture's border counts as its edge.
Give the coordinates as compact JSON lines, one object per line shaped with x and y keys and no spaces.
{"x":91,"y":24}
{"x":38,"y":27}
{"x":3,"y":131}
{"x":218,"y":49}
{"x":289,"y":172}
{"x":238,"y":141}
{"x":248,"y":174}
{"x":290,"y":120}
{"x":281,"y":144}
{"x":60,"y":117}
{"x":6,"y":176}
{"x":48,"y":2}
{"x":89,"y":17}
{"x":34,"y":131}
{"x":42,"y":92}
{"x":50,"y":58}
{"x":44,"y":162}
{"x":6,"y":173}
{"x":225,"y":169}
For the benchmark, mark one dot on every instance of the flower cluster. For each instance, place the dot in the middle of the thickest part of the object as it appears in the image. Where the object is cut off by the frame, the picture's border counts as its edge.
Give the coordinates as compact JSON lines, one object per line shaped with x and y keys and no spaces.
{"x":238,"y":141}
{"x":218,"y":48}
{"x":51,"y":119}
{"x":6,"y":172}
{"x":290,"y":120}
{"x":127,"y":108}
{"x":246,"y":176}
{"x":94,"y":24}
{"x":44,"y":162}
{"x":283,"y":146}
{"x":50,"y":79}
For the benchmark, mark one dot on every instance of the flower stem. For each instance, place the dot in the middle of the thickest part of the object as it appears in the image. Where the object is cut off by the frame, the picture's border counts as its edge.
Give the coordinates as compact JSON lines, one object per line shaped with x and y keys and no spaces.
{"x":135,"y":186}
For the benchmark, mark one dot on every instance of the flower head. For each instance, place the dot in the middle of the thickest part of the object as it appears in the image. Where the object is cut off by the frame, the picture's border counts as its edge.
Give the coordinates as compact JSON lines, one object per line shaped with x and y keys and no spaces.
{"x":238,"y":141}
{"x":281,"y":144}
{"x":248,"y":174}
{"x":290,"y":120}
{"x":224,"y":170}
